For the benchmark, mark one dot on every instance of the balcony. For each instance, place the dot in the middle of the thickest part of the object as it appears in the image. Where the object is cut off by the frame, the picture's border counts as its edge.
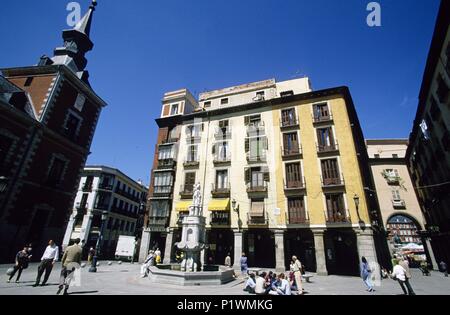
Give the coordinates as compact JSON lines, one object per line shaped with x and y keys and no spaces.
{"x":220,"y":218}
{"x":170,"y":141}
{"x":317,"y":119}
{"x":295,"y":186}
{"x":81,"y":206}
{"x":220,"y":192}
{"x":127,"y":195}
{"x":105,"y":186}
{"x":340,"y":216}
{"x":223,"y":133}
{"x":101,"y":206}
{"x":398,"y":204}
{"x":293,"y":152}
{"x":162,"y":191}
{"x":193,"y":138}
{"x":257,"y":157}
{"x":289,"y":123}
{"x":191,"y":163}
{"x":257,"y":187}
{"x":293,"y":218}
{"x":186,"y":192}
{"x":257,"y":220}
{"x":125,"y":213}
{"x":332,"y":182}
{"x":221,"y":159}
{"x":333,"y":147}
{"x":157,"y":221}
{"x":166,"y":164}
{"x":256,"y":129}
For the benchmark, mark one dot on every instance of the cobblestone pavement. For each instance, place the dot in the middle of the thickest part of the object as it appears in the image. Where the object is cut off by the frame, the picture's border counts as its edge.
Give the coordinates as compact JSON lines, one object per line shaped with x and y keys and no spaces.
{"x":124,"y":280}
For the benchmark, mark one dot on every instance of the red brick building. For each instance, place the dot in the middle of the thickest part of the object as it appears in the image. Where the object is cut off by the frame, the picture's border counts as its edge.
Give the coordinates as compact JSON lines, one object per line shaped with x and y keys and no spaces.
{"x":48,"y":116}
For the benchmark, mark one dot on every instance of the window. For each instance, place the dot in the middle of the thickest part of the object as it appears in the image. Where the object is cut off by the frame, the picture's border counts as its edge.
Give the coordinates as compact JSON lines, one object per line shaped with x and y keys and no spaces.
{"x":207,"y":104}
{"x":294,"y":177}
{"x":224,"y":101}
{"x":442,"y":90}
{"x":189,"y":182}
{"x":222,"y":151}
{"x":321,"y":112}
{"x":291,"y":143}
{"x":88,"y":183}
{"x":325,"y":139}
{"x":132,"y":227}
{"x":260,"y":96}
{"x":28,"y":81}
{"x":256,"y":148}
{"x":110,"y":223}
{"x":56,"y":172}
{"x":335,"y":207}
{"x":296,"y":209}
{"x":5,"y":146}
{"x":165,"y":152}
{"x":163,"y":182}
{"x":377,"y":156}
{"x":72,"y":126}
{"x":395,"y":156}
{"x":159,"y":208}
{"x":174,"y":109}
{"x":122,"y":225}
{"x":257,"y":209}
{"x":330,"y":172}
{"x":192,"y":154}
{"x":222,"y":179}
{"x":257,"y":178}
{"x":127,"y":228}
{"x":79,"y":102}
{"x":288,"y":117}
{"x":194,"y":131}
{"x":435,"y":112}
{"x":396,"y":195}
{"x":287,"y":93}
{"x":254,"y":120}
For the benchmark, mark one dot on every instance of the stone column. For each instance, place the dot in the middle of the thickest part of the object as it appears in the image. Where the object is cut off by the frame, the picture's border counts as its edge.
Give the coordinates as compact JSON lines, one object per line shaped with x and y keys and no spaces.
{"x":69,"y":230}
{"x":431,"y":253}
{"x":366,"y":245}
{"x":145,"y":245}
{"x":279,"y":251}
{"x":86,"y":227}
{"x":319,"y":246}
{"x":237,"y":249}
{"x":168,"y":249}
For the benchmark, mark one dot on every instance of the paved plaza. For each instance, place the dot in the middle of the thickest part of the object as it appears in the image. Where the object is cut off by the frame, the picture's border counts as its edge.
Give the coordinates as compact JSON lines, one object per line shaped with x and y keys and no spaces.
{"x":124,"y":279}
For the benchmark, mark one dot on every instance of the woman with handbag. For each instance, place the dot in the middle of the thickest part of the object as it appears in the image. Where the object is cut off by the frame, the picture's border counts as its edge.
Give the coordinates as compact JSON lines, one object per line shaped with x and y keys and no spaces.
{"x":22,"y":260}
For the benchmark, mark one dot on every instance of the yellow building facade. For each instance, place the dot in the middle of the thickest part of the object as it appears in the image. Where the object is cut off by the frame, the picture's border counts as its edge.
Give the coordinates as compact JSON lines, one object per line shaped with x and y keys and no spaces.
{"x":283,"y":171}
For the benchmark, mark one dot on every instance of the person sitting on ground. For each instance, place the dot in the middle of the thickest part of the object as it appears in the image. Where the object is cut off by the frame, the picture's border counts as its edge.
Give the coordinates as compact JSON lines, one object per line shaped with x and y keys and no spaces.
{"x":283,"y":288}
{"x":260,"y":288}
{"x":250,"y":284}
{"x":292,"y":281}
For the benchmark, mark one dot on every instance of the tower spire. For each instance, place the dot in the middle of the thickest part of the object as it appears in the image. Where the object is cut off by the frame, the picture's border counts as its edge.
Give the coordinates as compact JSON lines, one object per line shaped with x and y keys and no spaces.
{"x":76,"y":44}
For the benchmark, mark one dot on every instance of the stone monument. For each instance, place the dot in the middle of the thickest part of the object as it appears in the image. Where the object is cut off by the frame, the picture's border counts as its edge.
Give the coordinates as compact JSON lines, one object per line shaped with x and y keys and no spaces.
{"x":193,"y":234}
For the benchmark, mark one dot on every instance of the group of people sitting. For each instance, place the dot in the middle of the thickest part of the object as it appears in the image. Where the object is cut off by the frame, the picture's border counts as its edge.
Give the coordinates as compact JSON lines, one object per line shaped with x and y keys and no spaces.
{"x":271,"y":284}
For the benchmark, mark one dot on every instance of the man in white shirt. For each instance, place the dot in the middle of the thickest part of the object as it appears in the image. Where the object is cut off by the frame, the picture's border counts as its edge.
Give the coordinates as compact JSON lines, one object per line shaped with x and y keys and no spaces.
{"x":48,"y":260}
{"x":260,"y":284}
{"x":400,"y":274}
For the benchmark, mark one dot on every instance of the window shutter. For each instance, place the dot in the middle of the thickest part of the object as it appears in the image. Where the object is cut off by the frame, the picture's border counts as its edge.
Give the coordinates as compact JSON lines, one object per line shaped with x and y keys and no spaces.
{"x":266,"y":143}
{"x":266,"y":172}
{"x":247,"y":175}
{"x":247,"y":145}
{"x":247,"y":120}
{"x":214,"y":149}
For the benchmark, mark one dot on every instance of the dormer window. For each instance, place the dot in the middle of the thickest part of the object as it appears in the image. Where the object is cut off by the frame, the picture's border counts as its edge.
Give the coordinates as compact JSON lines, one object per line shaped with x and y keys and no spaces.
{"x":224,"y":101}
{"x":207,"y":104}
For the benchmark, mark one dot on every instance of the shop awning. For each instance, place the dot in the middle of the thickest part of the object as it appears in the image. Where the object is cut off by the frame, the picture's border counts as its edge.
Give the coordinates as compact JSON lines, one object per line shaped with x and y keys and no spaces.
{"x":183,"y":206}
{"x":219,"y":205}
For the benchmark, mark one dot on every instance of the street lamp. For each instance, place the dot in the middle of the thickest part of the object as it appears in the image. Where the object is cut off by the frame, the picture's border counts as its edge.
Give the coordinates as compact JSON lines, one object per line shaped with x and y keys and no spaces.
{"x":236,"y":209}
{"x":361,"y":223}
{"x":3,"y":184}
{"x":99,"y":243}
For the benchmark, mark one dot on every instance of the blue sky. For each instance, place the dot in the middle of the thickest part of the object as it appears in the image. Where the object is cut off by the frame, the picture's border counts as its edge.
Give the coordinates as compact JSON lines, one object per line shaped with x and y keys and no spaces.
{"x":145,"y":48}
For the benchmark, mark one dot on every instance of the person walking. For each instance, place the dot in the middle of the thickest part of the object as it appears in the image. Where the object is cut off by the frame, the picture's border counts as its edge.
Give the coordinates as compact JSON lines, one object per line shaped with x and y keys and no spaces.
{"x":70,"y":261}
{"x":297,"y":270}
{"x":228,"y":261}
{"x":22,"y":260}
{"x":366,"y":274}
{"x":48,"y":260}
{"x":399,"y":274}
{"x":149,"y":261}
{"x":244,"y":264}
{"x":91,"y":255}
{"x":443,"y":267}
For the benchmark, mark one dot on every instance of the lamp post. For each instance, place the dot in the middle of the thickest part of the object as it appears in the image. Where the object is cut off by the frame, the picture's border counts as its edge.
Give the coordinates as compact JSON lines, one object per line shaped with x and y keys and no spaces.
{"x":93,"y":267}
{"x":361,"y":223}
{"x":236,"y":209}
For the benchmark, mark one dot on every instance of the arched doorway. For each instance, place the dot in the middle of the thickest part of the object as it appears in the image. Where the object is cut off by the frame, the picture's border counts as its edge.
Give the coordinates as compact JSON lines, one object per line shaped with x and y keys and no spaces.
{"x":404,"y":237}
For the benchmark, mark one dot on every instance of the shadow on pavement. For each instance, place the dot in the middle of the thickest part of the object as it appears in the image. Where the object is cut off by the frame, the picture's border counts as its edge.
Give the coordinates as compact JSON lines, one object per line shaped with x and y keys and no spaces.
{"x":82,"y":292}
